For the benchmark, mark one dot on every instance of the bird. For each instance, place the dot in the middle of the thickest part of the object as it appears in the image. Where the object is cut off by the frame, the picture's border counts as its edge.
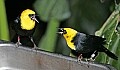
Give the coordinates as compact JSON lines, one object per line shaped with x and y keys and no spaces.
{"x":24,"y":25}
{"x":85,"y":45}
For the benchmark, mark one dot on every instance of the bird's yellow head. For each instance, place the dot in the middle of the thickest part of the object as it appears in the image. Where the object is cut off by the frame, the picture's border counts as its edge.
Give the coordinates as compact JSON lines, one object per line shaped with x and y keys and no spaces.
{"x":28,"y":19}
{"x":68,"y":34}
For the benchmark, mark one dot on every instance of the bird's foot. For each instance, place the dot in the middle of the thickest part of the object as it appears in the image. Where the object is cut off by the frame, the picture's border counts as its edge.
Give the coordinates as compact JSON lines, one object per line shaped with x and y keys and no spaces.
{"x":90,"y":60}
{"x":35,"y":47}
{"x":18,"y":44}
{"x":79,"y":59}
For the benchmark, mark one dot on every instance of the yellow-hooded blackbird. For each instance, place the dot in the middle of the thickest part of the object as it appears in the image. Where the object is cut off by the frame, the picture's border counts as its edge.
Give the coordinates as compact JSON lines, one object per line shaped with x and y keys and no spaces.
{"x":24,"y":25}
{"x":84,"y":45}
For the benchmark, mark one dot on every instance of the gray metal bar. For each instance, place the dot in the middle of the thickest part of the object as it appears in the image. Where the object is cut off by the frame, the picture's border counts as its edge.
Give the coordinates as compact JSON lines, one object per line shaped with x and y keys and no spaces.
{"x":22,"y":58}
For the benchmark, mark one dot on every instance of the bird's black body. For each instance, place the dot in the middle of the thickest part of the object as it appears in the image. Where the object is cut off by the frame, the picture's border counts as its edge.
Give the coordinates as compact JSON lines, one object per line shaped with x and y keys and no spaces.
{"x":88,"y":44}
{"x":25,"y":25}
{"x":20,"y":31}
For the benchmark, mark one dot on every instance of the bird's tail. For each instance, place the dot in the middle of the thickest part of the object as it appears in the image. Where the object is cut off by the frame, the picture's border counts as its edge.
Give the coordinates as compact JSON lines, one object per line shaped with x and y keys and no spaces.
{"x":109,"y":53}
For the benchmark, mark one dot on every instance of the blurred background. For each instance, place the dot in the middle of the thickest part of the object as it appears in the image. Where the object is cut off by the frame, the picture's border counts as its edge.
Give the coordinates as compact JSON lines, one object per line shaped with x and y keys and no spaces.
{"x":86,"y":16}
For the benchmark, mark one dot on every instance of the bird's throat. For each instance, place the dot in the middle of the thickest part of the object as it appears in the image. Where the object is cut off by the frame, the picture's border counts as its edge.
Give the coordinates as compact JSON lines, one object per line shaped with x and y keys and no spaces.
{"x":71,"y":45}
{"x":27,"y":24}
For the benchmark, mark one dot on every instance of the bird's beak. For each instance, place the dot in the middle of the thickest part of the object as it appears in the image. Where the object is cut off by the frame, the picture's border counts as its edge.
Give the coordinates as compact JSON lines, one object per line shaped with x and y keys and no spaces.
{"x":60,"y":31}
{"x":34,"y":18}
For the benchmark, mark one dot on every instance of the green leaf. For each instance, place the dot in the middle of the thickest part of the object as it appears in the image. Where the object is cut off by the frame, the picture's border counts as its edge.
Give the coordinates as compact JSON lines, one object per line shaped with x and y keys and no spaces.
{"x":48,"y":9}
{"x":4,"y":33}
{"x":108,"y":31}
{"x":115,"y":47}
{"x":49,"y":39}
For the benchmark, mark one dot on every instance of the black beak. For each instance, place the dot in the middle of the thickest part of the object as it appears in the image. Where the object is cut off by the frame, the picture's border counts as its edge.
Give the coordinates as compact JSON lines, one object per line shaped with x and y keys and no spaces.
{"x":33,"y":17}
{"x":60,"y":31}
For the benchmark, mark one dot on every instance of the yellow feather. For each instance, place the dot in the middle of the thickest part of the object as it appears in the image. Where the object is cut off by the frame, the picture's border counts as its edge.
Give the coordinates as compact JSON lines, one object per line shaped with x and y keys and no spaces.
{"x":26,"y":22}
{"x":71,"y":33}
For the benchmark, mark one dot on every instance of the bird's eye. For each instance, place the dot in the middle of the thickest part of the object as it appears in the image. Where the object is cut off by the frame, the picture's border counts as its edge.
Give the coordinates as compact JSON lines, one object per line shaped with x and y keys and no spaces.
{"x":64,"y":32}
{"x":31,"y":15}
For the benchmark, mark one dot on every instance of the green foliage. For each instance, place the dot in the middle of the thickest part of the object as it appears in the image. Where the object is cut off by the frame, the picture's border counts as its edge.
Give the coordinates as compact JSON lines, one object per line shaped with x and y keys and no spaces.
{"x":47,"y":9}
{"x":51,"y":11}
{"x":112,"y":35}
{"x":4,"y":33}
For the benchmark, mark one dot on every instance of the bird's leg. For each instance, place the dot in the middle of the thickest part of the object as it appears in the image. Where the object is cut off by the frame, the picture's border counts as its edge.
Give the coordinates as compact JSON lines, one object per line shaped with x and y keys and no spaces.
{"x":80,"y":58}
{"x":87,"y":60}
{"x":35,"y":47}
{"x":18,"y":42}
{"x":92,"y":58}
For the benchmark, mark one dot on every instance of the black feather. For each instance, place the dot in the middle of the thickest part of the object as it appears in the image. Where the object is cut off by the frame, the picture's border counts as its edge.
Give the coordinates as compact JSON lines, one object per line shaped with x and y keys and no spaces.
{"x":110,"y":54}
{"x":17,"y":27}
{"x":87,"y":44}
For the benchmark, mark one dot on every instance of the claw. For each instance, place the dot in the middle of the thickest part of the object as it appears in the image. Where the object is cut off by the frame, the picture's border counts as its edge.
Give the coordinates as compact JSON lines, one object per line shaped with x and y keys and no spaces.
{"x":18,"y":43}
{"x":79,"y":58}
{"x":35,"y":47}
{"x":88,"y":60}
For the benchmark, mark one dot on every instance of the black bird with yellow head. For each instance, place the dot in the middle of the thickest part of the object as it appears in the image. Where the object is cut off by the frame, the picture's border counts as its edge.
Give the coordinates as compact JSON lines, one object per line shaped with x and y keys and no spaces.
{"x":87,"y":46}
{"x":25,"y":25}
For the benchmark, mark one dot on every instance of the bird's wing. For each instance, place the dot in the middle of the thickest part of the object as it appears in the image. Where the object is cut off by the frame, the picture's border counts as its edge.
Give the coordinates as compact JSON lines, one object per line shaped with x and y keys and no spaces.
{"x":17,"y":20}
{"x":85,"y":55}
{"x":87,"y":43}
{"x":16,"y":23}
